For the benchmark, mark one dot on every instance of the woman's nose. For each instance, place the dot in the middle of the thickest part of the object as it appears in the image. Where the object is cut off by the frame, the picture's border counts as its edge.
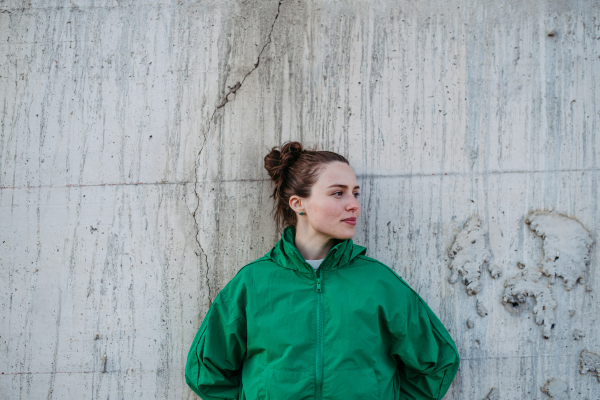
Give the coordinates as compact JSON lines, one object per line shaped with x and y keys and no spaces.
{"x":354,"y":204}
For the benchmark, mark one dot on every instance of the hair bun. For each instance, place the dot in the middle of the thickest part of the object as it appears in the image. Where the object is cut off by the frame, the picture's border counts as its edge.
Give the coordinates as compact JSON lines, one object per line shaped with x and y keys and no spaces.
{"x":278,"y":162}
{"x":290,"y":153}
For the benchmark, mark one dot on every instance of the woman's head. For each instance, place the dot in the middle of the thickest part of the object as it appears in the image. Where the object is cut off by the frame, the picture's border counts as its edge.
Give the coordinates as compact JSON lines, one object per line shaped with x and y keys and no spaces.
{"x":319,"y":184}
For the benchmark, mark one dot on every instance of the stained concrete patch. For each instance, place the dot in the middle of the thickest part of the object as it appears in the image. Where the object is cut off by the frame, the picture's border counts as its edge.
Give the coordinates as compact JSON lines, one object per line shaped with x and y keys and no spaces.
{"x":590,"y":361}
{"x":557,"y":389}
{"x":527,"y":284}
{"x":468,"y":253}
{"x":566,"y":244}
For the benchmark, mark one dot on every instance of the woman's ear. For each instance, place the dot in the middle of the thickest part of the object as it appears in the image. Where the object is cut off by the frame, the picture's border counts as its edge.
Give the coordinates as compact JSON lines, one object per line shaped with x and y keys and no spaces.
{"x":296,"y":204}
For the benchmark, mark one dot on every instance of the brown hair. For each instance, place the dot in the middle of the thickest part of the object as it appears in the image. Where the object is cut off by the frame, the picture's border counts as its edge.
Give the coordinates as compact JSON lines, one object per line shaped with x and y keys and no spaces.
{"x":294,"y":170}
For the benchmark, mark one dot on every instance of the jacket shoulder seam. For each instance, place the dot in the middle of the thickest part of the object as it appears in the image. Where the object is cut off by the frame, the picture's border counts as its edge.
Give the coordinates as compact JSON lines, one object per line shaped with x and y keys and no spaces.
{"x":395,"y":274}
{"x":238,"y":315}
{"x":386,"y":266}
{"x":225,"y":294}
{"x":263,"y":258}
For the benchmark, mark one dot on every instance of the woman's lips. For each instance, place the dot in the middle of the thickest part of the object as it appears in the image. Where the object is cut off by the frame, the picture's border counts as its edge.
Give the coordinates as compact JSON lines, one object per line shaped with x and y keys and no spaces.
{"x":351,"y":221}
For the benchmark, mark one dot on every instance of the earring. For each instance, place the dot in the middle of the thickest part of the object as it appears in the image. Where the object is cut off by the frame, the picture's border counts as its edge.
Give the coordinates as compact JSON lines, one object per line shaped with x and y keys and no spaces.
{"x":302,"y":213}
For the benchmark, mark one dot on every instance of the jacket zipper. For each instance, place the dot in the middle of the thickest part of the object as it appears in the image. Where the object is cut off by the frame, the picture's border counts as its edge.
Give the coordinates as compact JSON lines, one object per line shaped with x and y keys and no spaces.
{"x":319,"y":338}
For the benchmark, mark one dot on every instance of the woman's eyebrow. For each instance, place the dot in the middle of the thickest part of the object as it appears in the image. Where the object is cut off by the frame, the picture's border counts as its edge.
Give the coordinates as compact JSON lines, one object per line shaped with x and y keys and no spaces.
{"x":342,"y":186}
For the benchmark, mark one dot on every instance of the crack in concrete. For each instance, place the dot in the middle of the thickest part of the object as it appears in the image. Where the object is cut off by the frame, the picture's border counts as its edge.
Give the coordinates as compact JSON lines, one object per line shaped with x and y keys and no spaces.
{"x":238,"y":85}
{"x":232,"y":90}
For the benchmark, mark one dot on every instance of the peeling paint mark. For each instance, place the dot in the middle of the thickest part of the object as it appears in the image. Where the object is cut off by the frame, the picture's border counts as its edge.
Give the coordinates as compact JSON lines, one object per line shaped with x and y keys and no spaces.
{"x":578,"y":334}
{"x":494,"y":394}
{"x":468,"y":253}
{"x":589,"y":361}
{"x":566,"y":245}
{"x":556,"y":389}
{"x":527,"y":283}
{"x":470,"y":324}
{"x":494,"y":270}
{"x":481,"y":310}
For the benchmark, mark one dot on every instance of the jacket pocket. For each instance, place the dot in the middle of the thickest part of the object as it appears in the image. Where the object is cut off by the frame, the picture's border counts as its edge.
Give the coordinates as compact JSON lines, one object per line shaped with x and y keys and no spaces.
{"x":280,"y":384}
{"x":351,"y":384}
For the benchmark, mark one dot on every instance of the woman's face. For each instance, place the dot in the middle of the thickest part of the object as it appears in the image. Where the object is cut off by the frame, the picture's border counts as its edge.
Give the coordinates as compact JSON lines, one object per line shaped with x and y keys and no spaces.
{"x":332,"y":208}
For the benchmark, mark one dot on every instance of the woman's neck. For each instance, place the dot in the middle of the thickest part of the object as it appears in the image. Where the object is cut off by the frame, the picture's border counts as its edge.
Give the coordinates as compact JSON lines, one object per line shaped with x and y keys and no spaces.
{"x":311,"y":244}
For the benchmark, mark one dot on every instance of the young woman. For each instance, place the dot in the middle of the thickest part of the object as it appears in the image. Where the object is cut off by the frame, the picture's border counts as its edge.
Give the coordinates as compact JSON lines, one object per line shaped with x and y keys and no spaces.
{"x":315,"y":318}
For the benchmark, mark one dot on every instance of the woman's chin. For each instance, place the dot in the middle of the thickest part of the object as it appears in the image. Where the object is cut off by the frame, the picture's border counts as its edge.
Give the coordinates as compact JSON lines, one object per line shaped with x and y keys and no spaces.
{"x":347,"y":231}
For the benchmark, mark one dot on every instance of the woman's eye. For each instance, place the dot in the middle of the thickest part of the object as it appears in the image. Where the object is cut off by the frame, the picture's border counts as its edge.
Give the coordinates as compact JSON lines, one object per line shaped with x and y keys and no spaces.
{"x":356,"y":194}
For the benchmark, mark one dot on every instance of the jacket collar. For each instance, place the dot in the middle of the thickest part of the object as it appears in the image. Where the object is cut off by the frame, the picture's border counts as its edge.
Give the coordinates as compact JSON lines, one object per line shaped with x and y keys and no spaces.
{"x":286,"y":254}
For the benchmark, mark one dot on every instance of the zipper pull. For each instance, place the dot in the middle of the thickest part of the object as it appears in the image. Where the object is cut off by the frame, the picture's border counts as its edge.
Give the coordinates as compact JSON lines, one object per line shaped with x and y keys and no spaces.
{"x":318,"y":284}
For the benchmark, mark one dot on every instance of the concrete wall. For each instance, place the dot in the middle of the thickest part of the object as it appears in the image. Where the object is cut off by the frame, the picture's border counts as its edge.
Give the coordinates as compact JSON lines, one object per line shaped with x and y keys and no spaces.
{"x":132,"y":186}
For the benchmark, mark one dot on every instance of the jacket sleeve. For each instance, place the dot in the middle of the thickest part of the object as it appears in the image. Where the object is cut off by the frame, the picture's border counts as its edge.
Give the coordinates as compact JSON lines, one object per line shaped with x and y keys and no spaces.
{"x":214,"y":362}
{"x":423,"y":349}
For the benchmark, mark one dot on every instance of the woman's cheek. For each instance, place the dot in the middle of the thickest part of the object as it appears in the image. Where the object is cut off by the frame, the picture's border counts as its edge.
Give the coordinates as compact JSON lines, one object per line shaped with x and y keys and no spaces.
{"x":335,"y":210}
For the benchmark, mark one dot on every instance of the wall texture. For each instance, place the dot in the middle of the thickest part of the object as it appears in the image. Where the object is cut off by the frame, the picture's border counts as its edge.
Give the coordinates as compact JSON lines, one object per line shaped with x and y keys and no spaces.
{"x":132,"y":186}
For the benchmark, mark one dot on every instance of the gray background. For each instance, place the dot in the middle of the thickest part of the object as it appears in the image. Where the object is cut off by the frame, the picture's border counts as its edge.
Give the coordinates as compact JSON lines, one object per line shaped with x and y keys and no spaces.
{"x":132,"y":186}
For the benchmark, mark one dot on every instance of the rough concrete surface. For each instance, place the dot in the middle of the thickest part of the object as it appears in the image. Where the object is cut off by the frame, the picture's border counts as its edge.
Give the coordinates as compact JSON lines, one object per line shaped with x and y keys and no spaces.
{"x":566,"y":246}
{"x":556,"y":389}
{"x":590,"y":362}
{"x":494,"y":394}
{"x":469,"y":252}
{"x":530,"y":284}
{"x":578,"y":334}
{"x":132,"y":187}
{"x":481,"y":309}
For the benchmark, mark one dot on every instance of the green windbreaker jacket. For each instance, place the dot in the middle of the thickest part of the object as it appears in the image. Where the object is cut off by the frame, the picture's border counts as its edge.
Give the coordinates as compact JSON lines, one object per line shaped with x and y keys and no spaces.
{"x":351,"y":330}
